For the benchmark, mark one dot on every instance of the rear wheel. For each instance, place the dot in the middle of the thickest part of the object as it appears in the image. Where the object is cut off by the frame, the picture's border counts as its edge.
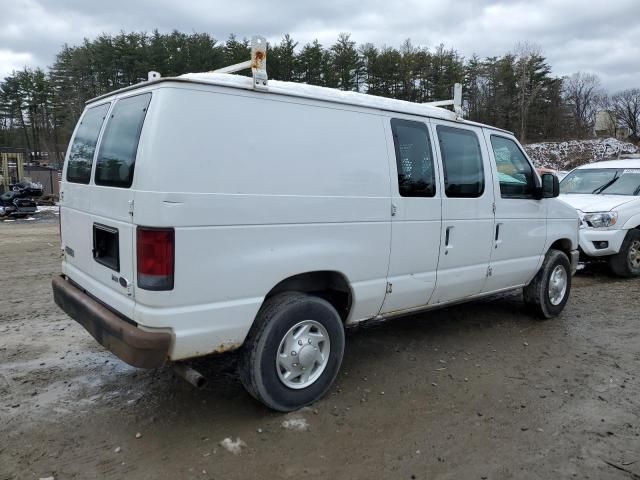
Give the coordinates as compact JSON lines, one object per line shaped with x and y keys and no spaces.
{"x":548,"y":292}
{"x":626,"y":263}
{"x":293,"y":352}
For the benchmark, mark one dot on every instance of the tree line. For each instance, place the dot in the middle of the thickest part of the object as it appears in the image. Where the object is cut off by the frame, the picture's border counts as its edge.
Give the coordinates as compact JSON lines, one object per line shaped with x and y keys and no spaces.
{"x":515,"y":91}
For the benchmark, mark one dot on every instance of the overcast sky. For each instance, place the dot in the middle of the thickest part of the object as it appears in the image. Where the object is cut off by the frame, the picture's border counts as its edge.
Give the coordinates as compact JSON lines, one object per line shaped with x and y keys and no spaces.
{"x":601,"y":37}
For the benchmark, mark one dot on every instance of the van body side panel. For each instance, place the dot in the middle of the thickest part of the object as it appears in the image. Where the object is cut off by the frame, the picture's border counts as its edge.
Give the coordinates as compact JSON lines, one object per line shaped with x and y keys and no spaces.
{"x":259,"y":189}
{"x":562,"y":222}
{"x":559,"y":225}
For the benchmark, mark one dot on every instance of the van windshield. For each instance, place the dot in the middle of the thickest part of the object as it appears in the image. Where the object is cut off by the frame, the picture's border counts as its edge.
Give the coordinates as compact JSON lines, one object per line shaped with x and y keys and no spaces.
{"x":602,"y":181}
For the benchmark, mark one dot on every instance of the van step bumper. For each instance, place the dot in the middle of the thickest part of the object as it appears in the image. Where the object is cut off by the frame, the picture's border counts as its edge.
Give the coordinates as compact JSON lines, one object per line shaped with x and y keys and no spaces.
{"x":136,"y":347}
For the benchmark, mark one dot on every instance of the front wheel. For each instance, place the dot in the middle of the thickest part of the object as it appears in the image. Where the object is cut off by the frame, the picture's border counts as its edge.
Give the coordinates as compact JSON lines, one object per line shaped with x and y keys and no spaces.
{"x":548,"y":292}
{"x":626,"y":263}
{"x":293,"y":353}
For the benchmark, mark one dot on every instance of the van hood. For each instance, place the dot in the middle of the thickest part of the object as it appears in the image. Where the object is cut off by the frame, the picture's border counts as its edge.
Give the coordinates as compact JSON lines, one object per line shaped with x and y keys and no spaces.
{"x":589,"y":203}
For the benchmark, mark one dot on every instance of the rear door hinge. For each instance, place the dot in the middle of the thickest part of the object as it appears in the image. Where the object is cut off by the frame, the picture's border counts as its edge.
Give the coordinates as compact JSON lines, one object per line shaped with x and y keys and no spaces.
{"x":394,"y":209}
{"x":389,"y":287}
{"x":131,"y":207}
{"x":489,"y":271}
{"x":494,"y":207}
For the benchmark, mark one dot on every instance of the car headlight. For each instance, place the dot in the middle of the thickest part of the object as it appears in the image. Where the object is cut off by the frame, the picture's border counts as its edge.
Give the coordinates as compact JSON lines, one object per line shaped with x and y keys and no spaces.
{"x":600,"y":219}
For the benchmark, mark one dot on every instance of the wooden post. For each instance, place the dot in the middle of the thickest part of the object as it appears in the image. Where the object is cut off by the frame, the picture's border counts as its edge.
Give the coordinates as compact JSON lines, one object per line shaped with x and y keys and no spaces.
{"x":20,"y":166}
{"x":5,"y":171}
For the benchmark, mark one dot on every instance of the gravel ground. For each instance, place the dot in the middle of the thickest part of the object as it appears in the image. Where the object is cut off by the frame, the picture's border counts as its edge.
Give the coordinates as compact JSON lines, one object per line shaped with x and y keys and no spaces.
{"x":479,"y":391}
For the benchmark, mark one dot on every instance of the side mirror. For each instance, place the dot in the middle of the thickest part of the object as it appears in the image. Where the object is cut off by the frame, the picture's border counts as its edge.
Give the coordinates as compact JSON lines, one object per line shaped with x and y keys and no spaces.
{"x":550,"y":186}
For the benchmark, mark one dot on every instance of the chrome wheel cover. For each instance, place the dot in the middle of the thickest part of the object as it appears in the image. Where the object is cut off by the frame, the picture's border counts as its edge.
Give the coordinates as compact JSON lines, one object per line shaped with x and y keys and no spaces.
{"x":558,"y":285}
{"x":303,"y":354}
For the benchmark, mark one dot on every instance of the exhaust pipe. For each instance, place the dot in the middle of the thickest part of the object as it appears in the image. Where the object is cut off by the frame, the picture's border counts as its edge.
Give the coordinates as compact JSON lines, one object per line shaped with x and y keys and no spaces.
{"x":190,"y":375}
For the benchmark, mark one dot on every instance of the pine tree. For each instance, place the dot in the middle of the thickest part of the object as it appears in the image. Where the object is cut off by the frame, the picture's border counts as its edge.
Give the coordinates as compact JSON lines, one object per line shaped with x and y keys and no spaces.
{"x":282,"y":61}
{"x":310,"y":63}
{"x":346,"y":62}
{"x":471,"y":87}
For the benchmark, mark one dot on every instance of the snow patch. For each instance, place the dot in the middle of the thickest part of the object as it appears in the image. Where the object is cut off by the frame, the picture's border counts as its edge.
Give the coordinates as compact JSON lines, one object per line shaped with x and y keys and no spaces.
{"x":48,"y":208}
{"x":570,"y":154}
{"x":296,"y":424}
{"x":234,"y":447}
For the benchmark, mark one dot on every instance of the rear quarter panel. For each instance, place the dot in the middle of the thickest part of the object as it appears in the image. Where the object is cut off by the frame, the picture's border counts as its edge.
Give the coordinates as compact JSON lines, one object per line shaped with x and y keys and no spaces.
{"x":259,"y":188}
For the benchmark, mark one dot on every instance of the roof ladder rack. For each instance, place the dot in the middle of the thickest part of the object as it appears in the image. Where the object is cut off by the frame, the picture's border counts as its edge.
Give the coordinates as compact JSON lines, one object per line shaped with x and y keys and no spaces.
{"x":257,"y":63}
{"x":456,"y":101}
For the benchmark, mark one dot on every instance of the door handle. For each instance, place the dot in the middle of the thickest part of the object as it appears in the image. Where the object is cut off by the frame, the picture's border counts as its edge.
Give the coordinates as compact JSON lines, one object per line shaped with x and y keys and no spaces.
{"x":447,"y":240}
{"x":497,"y":239}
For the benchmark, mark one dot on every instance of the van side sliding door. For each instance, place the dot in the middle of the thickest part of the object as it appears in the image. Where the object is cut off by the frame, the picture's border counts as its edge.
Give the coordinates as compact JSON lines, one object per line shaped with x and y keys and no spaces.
{"x":467,"y":211}
{"x":416,"y":209}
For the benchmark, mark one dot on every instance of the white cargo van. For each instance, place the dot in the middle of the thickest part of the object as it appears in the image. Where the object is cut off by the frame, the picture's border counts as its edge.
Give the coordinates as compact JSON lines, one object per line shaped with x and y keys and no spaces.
{"x":200,"y":214}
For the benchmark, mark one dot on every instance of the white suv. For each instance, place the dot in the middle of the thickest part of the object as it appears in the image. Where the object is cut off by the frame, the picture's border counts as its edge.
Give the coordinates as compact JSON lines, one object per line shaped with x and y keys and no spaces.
{"x":607,"y":197}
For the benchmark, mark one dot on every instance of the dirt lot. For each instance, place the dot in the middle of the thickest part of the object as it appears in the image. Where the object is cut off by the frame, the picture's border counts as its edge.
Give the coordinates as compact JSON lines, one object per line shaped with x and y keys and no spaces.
{"x":470,"y":392}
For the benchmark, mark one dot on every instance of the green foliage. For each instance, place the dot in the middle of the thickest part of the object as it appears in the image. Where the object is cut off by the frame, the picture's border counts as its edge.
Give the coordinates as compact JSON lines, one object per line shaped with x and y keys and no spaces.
{"x":28,"y":111}
{"x":282,"y":61}
{"x":310,"y":64}
{"x":234,"y":51}
{"x":515,"y":91}
{"x":345,"y":62}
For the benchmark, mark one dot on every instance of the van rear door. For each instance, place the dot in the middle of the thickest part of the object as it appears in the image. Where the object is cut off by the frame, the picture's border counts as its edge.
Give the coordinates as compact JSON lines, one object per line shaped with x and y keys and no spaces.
{"x":98,"y":233}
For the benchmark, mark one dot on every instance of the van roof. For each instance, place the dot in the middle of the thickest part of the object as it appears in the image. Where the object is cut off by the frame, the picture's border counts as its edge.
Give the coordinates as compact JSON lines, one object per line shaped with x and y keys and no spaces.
{"x":323,"y":93}
{"x":313,"y":92}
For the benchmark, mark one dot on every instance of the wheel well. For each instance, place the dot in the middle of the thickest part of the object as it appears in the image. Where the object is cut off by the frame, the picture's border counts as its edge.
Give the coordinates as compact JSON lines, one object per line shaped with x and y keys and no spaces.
{"x":329,"y":285}
{"x":564,"y":245}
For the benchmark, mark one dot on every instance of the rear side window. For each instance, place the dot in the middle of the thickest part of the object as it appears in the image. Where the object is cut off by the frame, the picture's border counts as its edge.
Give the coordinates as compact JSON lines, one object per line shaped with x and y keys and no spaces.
{"x":84,"y":144}
{"x":117,"y":154}
{"x":514,"y":171}
{"x":413,"y":156}
{"x":462,"y":162}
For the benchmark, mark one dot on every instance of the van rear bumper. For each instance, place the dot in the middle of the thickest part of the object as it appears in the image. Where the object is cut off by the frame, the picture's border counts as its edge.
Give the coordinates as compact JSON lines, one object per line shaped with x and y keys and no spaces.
{"x":131,"y":344}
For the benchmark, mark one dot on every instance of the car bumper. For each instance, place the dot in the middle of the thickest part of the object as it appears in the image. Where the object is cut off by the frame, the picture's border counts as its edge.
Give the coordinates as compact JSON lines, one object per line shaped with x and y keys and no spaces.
{"x":591,"y":241}
{"x":137,"y":347}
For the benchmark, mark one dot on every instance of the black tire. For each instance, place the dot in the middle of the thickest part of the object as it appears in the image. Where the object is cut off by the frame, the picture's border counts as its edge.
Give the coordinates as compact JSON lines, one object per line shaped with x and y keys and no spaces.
{"x":536,"y":294}
{"x":257,"y":363}
{"x":621,"y":264}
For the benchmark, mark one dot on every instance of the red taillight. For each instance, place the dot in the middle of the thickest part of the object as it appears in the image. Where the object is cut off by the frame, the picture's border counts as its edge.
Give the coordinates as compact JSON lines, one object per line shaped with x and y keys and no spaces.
{"x":156,"y":254}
